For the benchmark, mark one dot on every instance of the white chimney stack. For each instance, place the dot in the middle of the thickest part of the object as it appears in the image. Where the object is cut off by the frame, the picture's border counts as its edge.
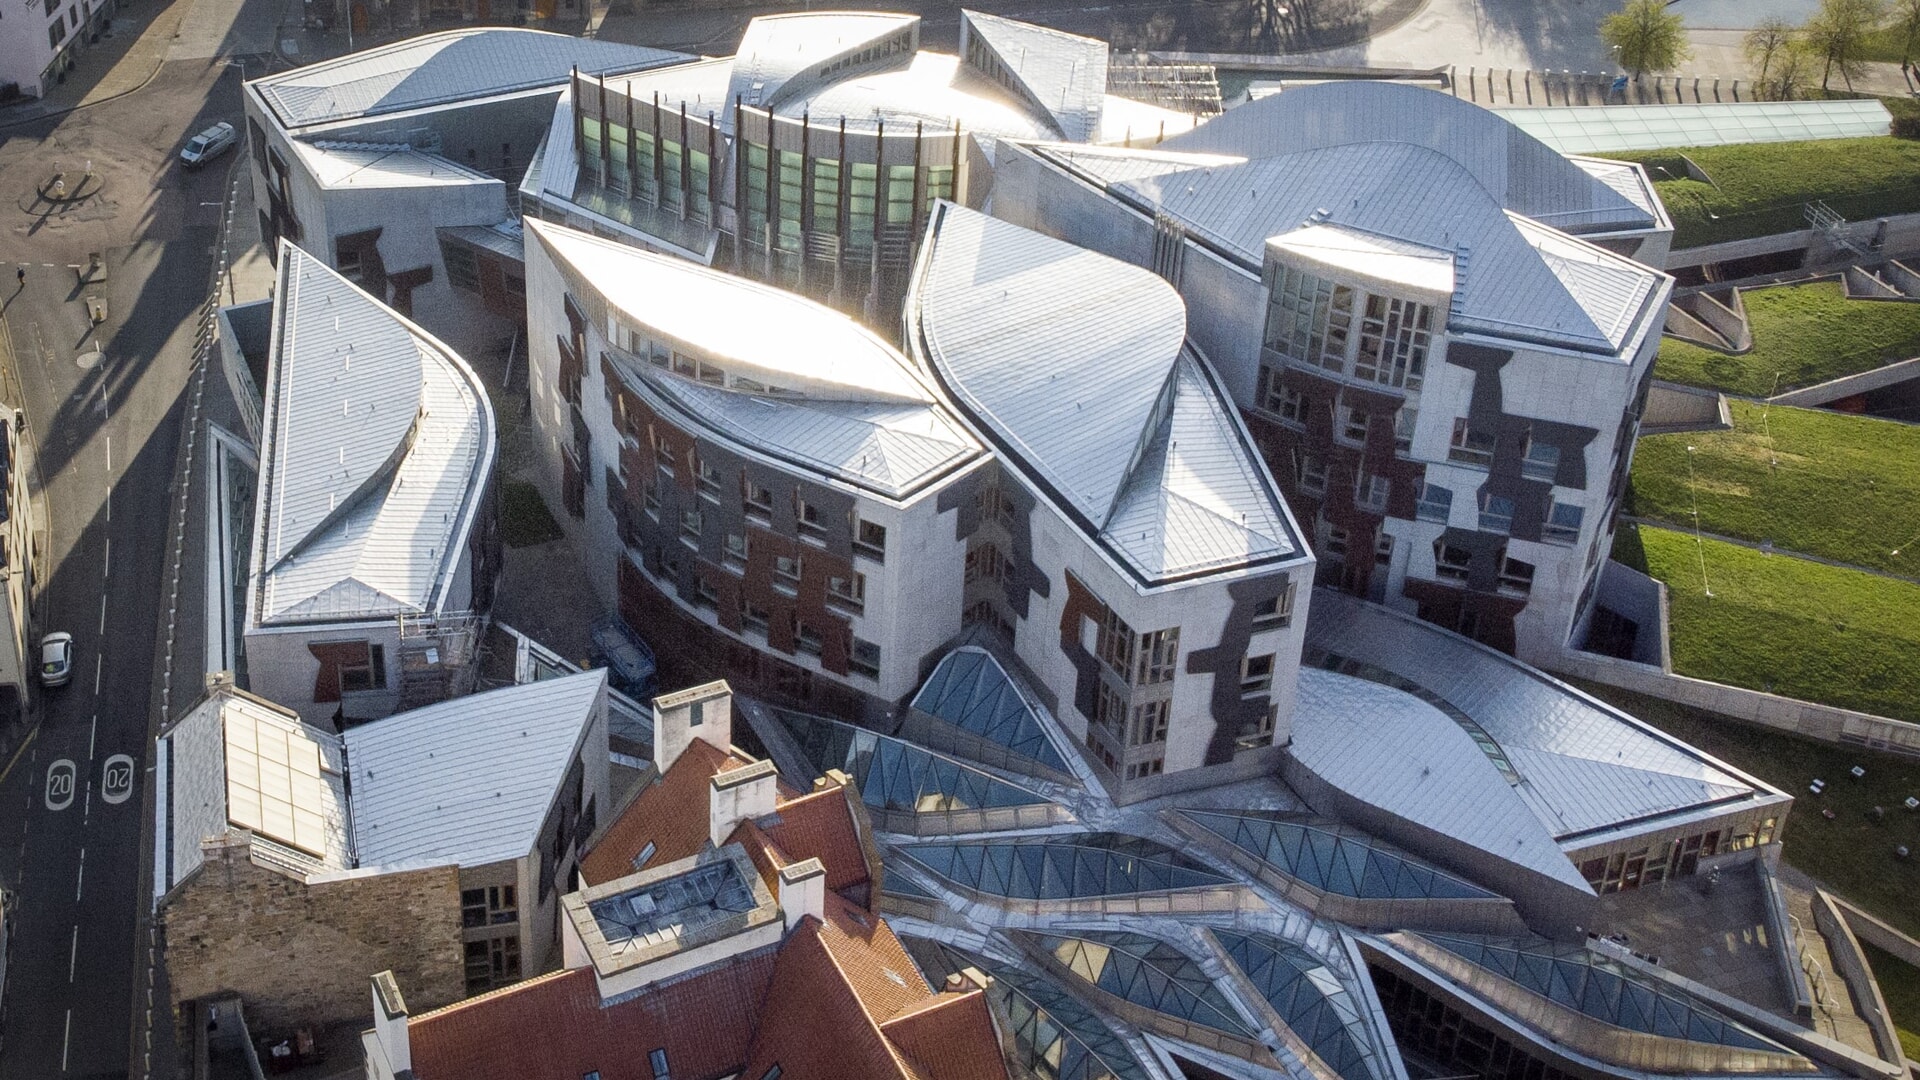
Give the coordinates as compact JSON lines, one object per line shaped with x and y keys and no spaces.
{"x":701,"y":712}
{"x":390,"y":1029}
{"x":803,"y":891}
{"x":739,"y":795}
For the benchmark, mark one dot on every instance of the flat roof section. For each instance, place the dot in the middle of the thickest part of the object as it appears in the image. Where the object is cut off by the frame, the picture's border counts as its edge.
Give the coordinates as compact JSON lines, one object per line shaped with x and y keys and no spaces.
{"x":1623,"y":128}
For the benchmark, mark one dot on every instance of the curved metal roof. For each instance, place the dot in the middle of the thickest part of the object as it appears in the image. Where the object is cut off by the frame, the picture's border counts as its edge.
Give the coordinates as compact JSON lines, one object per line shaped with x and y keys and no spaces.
{"x":1064,"y":866}
{"x":1309,"y":999}
{"x":970,"y":690}
{"x":899,"y":776}
{"x":1332,"y":857}
{"x":1145,"y":971}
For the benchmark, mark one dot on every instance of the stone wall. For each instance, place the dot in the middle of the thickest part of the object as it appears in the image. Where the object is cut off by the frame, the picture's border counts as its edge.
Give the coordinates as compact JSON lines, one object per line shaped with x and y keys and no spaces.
{"x":300,"y":954}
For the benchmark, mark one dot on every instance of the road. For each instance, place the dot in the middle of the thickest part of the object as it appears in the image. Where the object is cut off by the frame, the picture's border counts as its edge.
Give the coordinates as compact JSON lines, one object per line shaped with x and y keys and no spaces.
{"x":103,"y":406}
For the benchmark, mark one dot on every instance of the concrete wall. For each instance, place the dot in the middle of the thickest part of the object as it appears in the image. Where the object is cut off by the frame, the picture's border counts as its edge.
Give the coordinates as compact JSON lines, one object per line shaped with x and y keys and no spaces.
{"x":1644,"y":600}
{"x":282,"y":669}
{"x":1805,"y":718}
{"x":299,"y":954}
{"x":1672,"y":408}
{"x":1851,"y":965}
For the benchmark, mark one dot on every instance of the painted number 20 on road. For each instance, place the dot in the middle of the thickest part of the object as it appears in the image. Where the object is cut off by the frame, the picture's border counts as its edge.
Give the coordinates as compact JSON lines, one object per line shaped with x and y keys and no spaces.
{"x":116,"y":779}
{"x":60,"y":776}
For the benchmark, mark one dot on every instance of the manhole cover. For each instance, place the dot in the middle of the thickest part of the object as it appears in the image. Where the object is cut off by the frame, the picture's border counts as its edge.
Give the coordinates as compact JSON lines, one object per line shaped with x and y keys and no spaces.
{"x":89,"y":360}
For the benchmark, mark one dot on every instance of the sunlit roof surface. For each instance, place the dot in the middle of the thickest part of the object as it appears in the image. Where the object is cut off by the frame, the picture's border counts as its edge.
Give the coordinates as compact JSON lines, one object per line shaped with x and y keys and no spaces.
{"x":899,"y":776}
{"x":1620,"y":128}
{"x":1603,"y":989}
{"x":1309,"y":999}
{"x":1064,"y":867}
{"x":1147,"y":972}
{"x":970,"y":690}
{"x":1332,"y":857}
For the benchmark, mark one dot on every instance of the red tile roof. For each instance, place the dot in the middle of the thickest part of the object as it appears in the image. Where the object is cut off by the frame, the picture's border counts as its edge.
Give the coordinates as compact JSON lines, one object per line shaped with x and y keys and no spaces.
{"x":821,"y":825}
{"x":671,"y":814}
{"x":554,"y":1025}
{"x":949,"y":1036}
{"x":814,"y":1026}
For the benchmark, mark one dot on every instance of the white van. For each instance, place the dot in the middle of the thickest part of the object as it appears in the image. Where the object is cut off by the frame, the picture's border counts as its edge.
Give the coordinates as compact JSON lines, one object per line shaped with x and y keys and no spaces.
{"x":208,"y":145}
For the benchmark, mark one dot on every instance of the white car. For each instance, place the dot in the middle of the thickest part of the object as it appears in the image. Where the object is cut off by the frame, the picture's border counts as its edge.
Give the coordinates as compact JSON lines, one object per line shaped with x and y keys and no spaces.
{"x":208,"y":145}
{"x":56,"y":659}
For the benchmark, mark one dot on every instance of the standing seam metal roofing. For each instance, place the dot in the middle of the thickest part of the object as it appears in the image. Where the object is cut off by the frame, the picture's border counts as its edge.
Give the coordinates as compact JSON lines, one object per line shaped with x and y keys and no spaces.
{"x":441,"y":69}
{"x":467,"y":781}
{"x":371,"y":474}
{"x":1077,"y":365}
{"x":1064,"y":74}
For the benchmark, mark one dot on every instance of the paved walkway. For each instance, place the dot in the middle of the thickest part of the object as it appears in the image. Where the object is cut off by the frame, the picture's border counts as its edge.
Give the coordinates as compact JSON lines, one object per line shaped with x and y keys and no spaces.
{"x":1737,"y":958}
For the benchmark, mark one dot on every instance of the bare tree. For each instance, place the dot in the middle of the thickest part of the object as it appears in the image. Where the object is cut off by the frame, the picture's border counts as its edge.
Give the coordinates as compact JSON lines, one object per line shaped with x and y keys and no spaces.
{"x":1791,"y":72}
{"x":1647,"y":37}
{"x":1767,"y":40}
{"x":1838,"y":33}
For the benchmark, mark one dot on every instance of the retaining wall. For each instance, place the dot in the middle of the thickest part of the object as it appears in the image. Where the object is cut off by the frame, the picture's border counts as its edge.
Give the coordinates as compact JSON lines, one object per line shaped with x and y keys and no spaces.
{"x":1672,"y":407}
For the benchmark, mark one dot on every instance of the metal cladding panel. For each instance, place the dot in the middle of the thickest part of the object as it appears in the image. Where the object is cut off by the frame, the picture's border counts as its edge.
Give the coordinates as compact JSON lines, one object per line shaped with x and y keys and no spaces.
{"x":467,"y":781}
{"x":1065,"y":74}
{"x":1610,"y":289}
{"x":777,"y":49}
{"x":378,"y":446}
{"x":503,"y":241}
{"x":1417,"y":195}
{"x":196,"y":800}
{"x":1114,"y":166}
{"x":935,"y":90}
{"x":887,"y":448}
{"x":557,"y":162}
{"x":1519,"y":171}
{"x":1061,"y":353}
{"x":1623,"y":178}
{"x":1197,"y":501}
{"x":1622,"y":128}
{"x":443,"y":68}
{"x":349,"y":165}
{"x":1390,"y":750}
{"x":1585,"y":766}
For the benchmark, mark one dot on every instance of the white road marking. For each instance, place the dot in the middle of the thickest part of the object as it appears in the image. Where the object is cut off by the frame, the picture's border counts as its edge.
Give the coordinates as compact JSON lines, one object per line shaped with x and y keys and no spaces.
{"x":66,"y":1041}
{"x":109,"y":455}
{"x":97,"y":658}
{"x":116,"y":780}
{"x":81,"y":877}
{"x":86,"y":807}
{"x":73,"y":952}
{"x":106,"y":560}
{"x":109,"y":504}
{"x":60,"y":776}
{"x":103,"y":613}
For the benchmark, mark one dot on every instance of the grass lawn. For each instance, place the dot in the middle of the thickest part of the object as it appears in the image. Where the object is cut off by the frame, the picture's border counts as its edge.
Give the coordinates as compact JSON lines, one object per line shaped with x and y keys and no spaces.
{"x":1852,"y":853}
{"x":1786,"y":625}
{"x":1900,"y":985}
{"x":1802,"y":334}
{"x":1845,"y":487}
{"x":1764,"y":186}
{"x":524,"y":518}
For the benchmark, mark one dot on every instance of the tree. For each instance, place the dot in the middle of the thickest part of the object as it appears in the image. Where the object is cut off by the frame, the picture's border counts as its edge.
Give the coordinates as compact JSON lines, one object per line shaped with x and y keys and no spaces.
{"x":1906,"y":21}
{"x":1838,"y":34}
{"x":1769,"y":38}
{"x":1792,"y":69}
{"x":1646,"y":36}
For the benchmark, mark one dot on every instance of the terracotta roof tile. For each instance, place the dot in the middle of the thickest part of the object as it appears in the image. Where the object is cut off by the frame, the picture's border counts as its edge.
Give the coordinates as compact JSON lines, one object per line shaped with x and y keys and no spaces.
{"x":872,"y":959}
{"x":949,"y":1036}
{"x":820,"y":825}
{"x":554,"y":1025}
{"x":814,"y":1026}
{"x":671,"y":814}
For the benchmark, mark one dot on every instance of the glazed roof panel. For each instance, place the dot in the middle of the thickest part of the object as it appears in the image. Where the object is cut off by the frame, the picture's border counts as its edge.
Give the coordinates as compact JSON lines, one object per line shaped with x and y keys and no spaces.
{"x":1146,"y":971}
{"x":898,"y":776}
{"x":1067,"y":866}
{"x":1310,"y":999}
{"x":970,"y":690}
{"x":1333,"y":857}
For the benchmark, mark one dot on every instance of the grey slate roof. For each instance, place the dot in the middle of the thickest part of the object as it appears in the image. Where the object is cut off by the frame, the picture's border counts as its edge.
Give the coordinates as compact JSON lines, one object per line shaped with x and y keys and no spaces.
{"x":1077,"y":366}
{"x":443,"y":68}
{"x":467,"y":781}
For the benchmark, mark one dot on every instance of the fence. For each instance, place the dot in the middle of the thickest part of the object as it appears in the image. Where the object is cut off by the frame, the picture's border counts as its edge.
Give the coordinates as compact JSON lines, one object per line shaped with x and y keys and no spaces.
{"x":1509,"y":87}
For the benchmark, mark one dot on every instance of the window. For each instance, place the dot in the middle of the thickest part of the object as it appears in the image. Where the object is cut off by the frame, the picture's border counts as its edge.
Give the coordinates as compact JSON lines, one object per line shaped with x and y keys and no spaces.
{"x":709,"y":479}
{"x":463,"y":269}
{"x":1496,"y":513}
{"x":663,"y":453}
{"x":772,"y":1073}
{"x":650,"y":498}
{"x":1371,"y":492}
{"x":1353,"y":425}
{"x":1142,"y":769}
{"x":758,"y":500}
{"x":347,"y":261}
{"x":367,"y":674}
{"x":711,"y":374}
{"x":492,"y":962}
{"x":1515,"y":575}
{"x":591,"y":1074}
{"x":736,"y":552}
{"x":865,"y":658}
{"x":1256,"y":674}
{"x":1309,"y":319}
{"x":1288,"y":404}
{"x":1542,"y":461}
{"x":1435,"y":504}
{"x":806,"y":638}
{"x":1393,"y":342}
{"x":1336,"y":545}
{"x":684,"y":364}
{"x":1563,"y":523}
{"x":658,"y":1059}
{"x":690,"y":525}
{"x":493,"y":905}
{"x":1113,"y":644}
{"x":1470,"y":447}
{"x":1403,"y":422}
{"x":808,"y":519}
{"x":787,"y":571}
{"x":704,"y":594}
{"x":871,"y":540}
{"x":985,"y":562}
{"x":1313,"y":475}
{"x":753,"y":617}
{"x":514,"y":284}
{"x":1149,"y":723}
{"x":848,"y":592}
{"x":1276,"y":612}
{"x":1159,"y":652}
{"x":1259,"y":730}
{"x":1383,"y":549}
{"x":1451,"y":562}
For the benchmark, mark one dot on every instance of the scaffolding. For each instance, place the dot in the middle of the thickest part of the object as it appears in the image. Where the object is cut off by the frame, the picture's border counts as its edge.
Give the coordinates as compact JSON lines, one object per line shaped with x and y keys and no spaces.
{"x":1193,"y":89}
{"x":438,"y":657}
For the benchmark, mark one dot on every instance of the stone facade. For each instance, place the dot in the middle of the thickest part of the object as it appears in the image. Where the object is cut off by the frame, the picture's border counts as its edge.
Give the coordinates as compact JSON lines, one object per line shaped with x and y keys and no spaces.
{"x":299,"y":953}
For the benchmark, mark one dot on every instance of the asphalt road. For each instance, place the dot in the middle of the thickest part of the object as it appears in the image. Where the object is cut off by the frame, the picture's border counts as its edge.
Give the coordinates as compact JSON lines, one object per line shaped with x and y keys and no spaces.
{"x":103,"y":407}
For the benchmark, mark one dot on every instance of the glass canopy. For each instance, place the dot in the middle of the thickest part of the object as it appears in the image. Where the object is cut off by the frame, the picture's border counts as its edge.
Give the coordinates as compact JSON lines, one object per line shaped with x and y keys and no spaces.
{"x":899,"y":776}
{"x":1064,"y":866}
{"x":1147,"y":972}
{"x":1332,"y":857}
{"x":1308,"y":998}
{"x":970,"y":690}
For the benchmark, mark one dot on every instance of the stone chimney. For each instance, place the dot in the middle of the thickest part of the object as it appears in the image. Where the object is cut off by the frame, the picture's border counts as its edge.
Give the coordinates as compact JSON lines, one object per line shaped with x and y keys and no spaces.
{"x":803,"y":891}
{"x":739,"y":795}
{"x":390,"y":1029}
{"x":702,"y":712}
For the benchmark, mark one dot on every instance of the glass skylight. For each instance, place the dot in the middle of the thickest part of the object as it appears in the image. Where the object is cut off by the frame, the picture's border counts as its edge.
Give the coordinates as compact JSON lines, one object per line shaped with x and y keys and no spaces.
{"x":899,"y":776}
{"x":1308,"y":998}
{"x":1147,"y":972}
{"x":969,"y":690}
{"x":1334,"y":858}
{"x":1064,"y":867}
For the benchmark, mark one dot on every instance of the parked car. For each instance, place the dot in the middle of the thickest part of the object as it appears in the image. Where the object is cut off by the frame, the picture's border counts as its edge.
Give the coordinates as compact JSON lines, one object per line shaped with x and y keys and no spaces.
{"x":208,"y":145}
{"x":56,"y":659}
